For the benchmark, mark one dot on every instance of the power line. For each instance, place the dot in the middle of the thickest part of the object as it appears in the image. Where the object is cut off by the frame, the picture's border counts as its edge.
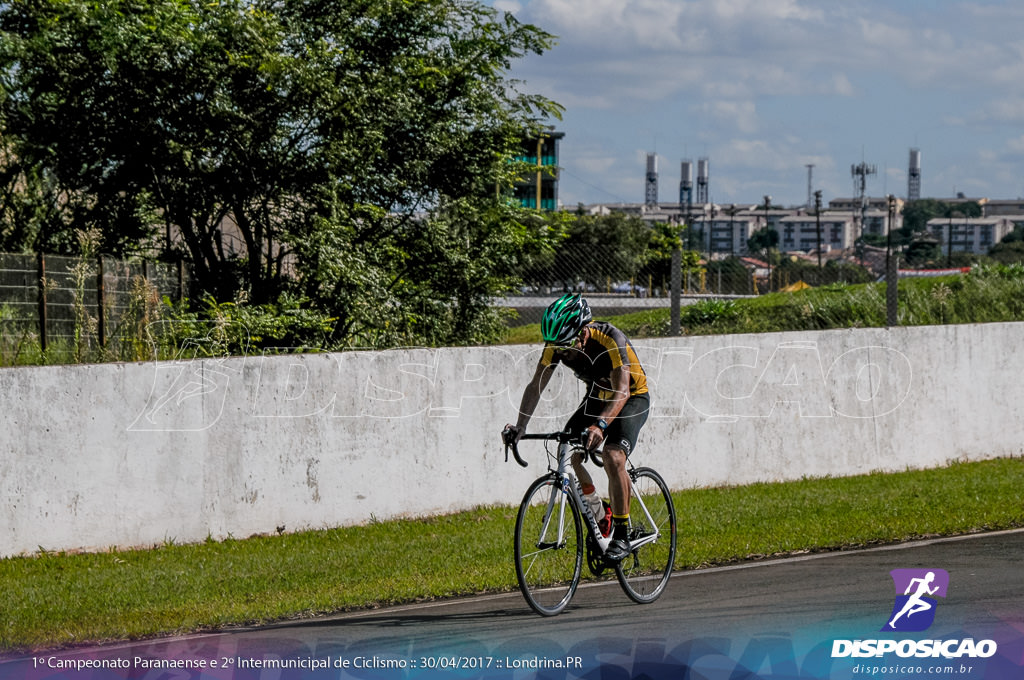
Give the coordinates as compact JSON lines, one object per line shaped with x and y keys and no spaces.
{"x":592,"y":186}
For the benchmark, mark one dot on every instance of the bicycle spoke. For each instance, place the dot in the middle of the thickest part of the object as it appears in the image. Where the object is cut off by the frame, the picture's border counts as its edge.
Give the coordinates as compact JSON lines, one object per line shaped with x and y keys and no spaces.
{"x":645,"y":572}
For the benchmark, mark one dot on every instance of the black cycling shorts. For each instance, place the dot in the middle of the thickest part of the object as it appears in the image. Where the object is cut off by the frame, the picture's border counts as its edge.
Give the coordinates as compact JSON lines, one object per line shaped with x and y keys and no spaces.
{"x":622,"y":432}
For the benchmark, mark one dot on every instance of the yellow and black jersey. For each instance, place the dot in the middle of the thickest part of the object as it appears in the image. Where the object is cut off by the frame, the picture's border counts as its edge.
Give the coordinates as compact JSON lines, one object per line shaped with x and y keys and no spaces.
{"x":607,"y":349}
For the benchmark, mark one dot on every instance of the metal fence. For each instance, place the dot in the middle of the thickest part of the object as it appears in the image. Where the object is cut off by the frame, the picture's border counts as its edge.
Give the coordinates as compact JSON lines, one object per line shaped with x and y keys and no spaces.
{"x":617,"y":283}
{"x":606,"y":270}
{"x":74,"y":308}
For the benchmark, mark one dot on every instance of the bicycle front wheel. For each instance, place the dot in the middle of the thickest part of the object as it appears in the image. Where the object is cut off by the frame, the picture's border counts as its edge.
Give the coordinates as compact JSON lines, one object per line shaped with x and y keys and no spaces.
{"x":548,"y":547}
{"x":644,"y":573}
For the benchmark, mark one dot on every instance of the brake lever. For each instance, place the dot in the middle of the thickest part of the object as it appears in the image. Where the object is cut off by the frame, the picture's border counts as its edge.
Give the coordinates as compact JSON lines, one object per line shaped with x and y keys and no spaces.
{"x":508,"y":437}
{"x":593,"y":453}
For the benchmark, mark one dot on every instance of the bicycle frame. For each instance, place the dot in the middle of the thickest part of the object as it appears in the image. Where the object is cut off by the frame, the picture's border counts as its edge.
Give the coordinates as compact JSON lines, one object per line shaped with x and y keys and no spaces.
{"x":568,"y":487}
{"x":550,"y":542}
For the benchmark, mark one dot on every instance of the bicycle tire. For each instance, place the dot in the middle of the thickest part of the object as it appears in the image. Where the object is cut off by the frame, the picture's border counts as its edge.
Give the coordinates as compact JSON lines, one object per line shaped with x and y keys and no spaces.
{"x":644,"y":573}
{"x":548,"y":570}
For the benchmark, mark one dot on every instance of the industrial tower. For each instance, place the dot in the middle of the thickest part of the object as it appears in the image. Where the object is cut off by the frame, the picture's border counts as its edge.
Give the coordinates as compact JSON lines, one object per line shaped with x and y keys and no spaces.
{"x":651,"y":185}
{"x":686,"y":184}
{"x":914,"y":176}
{"x":702,"y":180}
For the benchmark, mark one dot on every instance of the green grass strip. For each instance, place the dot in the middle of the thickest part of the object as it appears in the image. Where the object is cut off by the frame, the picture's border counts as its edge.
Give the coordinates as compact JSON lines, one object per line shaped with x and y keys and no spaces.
{"x":55,"y":599}
{"x":986,"y":295}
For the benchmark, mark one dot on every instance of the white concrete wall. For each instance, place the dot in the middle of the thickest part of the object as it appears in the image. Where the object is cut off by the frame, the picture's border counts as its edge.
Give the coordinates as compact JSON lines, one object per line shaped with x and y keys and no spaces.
{"x":137,"y":454}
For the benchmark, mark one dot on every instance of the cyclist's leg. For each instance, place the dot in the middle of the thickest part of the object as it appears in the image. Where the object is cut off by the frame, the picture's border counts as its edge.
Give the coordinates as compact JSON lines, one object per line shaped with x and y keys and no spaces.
{"x":620,"y":440}
{"x":618,"y":479}
{"x":577,"y":423}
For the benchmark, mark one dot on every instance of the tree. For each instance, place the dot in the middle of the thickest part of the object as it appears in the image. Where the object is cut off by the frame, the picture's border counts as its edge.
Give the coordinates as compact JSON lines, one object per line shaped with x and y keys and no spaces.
{"x":917,"y":213}
{"x":922,"y":251}
{"x":731,"y":273}
{"x":603,"y":248}
{"x":353,"y":152}
{"x":763,"y":240}
{"x":1008,"y":252}
{"x":663,"y":240}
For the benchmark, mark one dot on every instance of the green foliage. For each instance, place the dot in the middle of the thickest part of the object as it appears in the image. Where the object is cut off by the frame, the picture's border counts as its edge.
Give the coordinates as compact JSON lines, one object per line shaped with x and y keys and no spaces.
{"x":917,"y":213}
{"x":709,"y":313}
{"x":793,"y":269}
{"x":763,"y":240}
{"x":227,"y":328}
{"x":617,"y":246}
{"x":663,"y":240}
{"x":1008,"y":251}
{"x":922,"y":252}
{"x":337,"y":151}
{"x":989,"y":293}
{"x":732,"y":274}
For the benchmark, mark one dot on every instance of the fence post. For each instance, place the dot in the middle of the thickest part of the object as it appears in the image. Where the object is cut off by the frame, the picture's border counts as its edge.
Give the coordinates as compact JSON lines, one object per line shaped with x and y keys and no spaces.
{"x":101,"y":326}
{"x":677,"y":266}
{"x":892,"y":278}
{"x":41,"y":293}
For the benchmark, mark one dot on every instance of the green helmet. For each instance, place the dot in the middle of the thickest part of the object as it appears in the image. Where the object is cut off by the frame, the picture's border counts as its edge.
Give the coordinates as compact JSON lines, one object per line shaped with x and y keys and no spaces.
{"x":564,"y":318}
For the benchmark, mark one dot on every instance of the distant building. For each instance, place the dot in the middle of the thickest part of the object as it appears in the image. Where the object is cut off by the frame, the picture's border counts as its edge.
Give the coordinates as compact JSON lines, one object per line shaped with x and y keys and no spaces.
{"x":540,"y":188}
{"x":970,"y":234}
{"x":730,"y":233}
{"x":1003,"y":207}
{"x":800,"y":232}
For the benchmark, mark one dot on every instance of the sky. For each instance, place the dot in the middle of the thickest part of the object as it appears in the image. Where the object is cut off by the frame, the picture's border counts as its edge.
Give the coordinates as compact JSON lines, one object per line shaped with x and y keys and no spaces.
{"x":762,"y":88}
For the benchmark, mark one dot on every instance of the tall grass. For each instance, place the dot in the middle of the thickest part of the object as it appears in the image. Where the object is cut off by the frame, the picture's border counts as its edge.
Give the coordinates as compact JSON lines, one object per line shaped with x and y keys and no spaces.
{"x":985,"y":295}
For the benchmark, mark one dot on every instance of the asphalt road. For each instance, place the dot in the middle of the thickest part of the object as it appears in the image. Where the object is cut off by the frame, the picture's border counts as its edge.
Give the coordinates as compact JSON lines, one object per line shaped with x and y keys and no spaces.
{"x":768,"y":619}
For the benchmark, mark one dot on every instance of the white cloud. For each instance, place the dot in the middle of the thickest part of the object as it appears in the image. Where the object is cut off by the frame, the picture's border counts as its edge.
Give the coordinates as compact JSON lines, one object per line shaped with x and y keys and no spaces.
{"x":741,"y":115}
{"x":842,"y":86}
{"x":510,"y":6}
{"x":1016,"y":145}
{"x":765,"y":86}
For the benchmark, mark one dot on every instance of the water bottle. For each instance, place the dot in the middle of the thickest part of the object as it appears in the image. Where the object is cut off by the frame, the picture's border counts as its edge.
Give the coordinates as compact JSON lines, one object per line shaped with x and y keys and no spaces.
{"x":595,"y":505}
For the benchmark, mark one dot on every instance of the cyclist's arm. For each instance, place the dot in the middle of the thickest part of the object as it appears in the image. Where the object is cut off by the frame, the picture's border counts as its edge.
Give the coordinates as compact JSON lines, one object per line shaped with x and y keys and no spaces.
{"x":620,"y":388}
{"x":531,"y":395}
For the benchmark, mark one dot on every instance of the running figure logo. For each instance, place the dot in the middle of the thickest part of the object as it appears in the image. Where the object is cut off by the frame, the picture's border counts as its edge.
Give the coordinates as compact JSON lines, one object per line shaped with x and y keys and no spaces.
{"x":914,"y":609}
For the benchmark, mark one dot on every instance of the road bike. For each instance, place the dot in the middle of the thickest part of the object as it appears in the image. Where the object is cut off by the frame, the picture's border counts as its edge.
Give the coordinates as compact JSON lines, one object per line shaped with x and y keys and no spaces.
{"x":550,"y":541}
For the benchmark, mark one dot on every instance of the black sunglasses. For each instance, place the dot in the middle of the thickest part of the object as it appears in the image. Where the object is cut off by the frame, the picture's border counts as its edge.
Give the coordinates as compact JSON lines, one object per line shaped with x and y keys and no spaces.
{"x":578,"y":338}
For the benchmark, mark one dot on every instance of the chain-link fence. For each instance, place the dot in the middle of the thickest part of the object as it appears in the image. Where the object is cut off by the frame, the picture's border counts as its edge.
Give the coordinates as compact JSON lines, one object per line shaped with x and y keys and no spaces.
{"x":56,"y":309}
{"x":616,"y":282}
{"x":600,"y":269}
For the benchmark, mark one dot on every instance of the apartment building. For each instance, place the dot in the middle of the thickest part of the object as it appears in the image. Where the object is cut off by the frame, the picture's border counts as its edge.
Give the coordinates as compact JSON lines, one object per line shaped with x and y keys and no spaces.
{"x":1000,"y":208}
{"x":539,"y":189}
{"x":799,"y":232}
{"x":971,"y":234}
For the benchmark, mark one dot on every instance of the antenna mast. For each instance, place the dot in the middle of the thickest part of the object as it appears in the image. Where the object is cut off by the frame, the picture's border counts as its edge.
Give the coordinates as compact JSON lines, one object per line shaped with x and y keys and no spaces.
{"x":860,"y":173}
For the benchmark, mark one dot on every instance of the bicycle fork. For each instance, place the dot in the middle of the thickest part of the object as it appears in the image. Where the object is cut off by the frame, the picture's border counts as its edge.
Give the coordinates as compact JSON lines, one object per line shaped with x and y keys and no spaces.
{"x":568,"y":489}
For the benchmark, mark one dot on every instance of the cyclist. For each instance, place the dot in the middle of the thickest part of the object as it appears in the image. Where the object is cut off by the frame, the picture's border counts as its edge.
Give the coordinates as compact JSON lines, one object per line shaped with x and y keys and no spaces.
{"x":614,"y":408}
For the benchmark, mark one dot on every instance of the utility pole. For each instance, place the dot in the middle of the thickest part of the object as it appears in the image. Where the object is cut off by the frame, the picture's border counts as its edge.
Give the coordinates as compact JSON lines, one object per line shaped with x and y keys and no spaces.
{"x":892,"y":275}
{"x":817,"y":221}
{"x":768,"y":250}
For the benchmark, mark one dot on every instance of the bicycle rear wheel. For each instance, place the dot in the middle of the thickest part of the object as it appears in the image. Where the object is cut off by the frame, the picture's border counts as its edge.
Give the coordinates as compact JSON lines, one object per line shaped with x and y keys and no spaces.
{"x":644,"y":573}
{"x":548,"y":547}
